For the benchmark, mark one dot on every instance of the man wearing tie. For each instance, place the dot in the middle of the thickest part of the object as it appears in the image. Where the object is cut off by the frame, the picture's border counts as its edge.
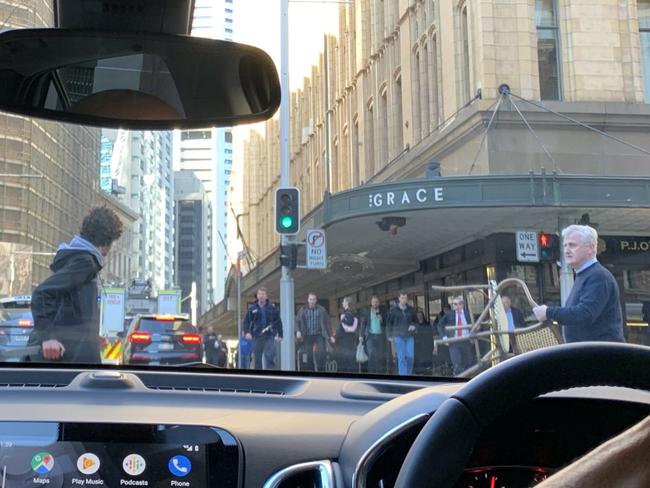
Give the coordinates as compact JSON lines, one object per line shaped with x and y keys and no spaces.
{"x":461,"y":353}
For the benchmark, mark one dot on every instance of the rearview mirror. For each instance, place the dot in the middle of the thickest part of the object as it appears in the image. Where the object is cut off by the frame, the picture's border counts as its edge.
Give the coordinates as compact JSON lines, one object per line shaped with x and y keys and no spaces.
{"x":135,"y":81}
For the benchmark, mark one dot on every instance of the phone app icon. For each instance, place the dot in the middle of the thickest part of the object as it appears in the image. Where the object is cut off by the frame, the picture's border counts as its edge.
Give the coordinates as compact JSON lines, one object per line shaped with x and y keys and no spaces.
{"x":43,"y":462}
{"x":88,"y":463}
{"x":180,"y":466}
{"x":134,"y":465}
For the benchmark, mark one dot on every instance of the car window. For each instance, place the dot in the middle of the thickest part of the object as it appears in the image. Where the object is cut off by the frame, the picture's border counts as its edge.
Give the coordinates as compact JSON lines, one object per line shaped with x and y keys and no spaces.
{"x":450,"y":185}
{"x":161,"y":327}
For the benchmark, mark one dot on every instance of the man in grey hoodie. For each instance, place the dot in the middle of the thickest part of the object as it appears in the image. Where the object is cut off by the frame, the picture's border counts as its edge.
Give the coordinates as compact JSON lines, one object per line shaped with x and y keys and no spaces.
{"x":65,"y":306}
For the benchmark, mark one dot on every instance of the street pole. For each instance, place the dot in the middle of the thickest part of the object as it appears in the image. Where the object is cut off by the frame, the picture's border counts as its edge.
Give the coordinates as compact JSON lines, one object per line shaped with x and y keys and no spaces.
{"x":566,"y":273}
{"x":239,"y":324}
{"x":12,"y":273}
{"x":288,"y":352}
{"x":193,"y":303}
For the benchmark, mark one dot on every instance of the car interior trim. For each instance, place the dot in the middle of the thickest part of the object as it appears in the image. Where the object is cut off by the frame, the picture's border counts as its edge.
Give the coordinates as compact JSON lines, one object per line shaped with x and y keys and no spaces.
{"x":361,"y":471}
{"x":324,"y":468}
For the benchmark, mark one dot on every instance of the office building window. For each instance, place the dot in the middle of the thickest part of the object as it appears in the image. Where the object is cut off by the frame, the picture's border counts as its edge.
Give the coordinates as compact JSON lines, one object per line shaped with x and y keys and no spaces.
{"x":548,"y":52}
{"x":370,"y":143}
{"x":644,"y":31}
{"x":228,"y":136}
{"x":465,"y":54}
{"x":195,"y":134}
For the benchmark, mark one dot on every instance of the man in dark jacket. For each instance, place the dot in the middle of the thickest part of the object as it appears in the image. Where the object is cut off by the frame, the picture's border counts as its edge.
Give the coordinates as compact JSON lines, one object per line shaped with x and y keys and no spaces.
{"x":462,"y":353}
{"x":263,"y":325}
{"x":373,"y":334}
{"x":515,"y":316}
{"x":401,"y":329}
{"x":65,"y":306}
{"x":209,"y":340}
{"x":313,"y":331}
{"x":222,"y":351}
{"x":593,"y":309}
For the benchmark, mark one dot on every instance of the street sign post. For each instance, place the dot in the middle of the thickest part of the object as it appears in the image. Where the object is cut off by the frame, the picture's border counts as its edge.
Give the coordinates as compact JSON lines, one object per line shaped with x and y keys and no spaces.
{"x":527,"y":247}
{"x":316,"y":249}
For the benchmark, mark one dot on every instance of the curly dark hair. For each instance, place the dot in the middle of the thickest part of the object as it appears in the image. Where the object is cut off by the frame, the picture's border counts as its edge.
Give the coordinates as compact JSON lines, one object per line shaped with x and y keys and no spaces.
{"x":101,"y":226}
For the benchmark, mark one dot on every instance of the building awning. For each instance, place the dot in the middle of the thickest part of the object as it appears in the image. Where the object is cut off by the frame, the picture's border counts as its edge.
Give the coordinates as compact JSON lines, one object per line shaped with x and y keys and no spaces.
{"x":439,"y":215}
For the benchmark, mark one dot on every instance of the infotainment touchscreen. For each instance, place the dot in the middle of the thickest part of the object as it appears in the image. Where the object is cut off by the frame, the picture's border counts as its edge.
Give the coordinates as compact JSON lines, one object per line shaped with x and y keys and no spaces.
{"x":55,"y":455}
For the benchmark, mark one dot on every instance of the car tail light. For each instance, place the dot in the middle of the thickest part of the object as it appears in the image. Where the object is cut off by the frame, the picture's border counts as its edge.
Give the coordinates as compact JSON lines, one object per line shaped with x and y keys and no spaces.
{"x":25,"y":323}
{"x":140,"y":337}
{"x":190,"y":357}
{"x":192,"y":339}
{"x":164,"y":318}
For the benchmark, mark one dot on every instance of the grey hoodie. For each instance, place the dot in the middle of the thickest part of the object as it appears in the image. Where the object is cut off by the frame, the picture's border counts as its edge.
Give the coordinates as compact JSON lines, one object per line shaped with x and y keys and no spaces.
{"x":80,"y":244}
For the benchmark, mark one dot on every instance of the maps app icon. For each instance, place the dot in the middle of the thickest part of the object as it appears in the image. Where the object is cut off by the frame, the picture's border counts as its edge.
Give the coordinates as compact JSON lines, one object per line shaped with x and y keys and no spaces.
{"x":43,"y":462}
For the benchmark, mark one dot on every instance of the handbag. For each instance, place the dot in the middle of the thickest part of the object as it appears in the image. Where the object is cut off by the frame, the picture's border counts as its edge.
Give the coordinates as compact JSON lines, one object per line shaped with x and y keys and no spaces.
{"x":362,"y":357}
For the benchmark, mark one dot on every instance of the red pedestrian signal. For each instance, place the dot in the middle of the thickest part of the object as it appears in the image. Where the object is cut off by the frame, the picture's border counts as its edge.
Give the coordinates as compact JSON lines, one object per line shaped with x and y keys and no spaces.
{"x":549,"y":247}
{"x":543,"y":240}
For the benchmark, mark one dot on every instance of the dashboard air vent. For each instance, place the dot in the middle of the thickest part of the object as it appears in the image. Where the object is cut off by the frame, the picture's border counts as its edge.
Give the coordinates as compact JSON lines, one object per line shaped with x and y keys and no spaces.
{"x":219,"y":383}
{"x":317,"y":474}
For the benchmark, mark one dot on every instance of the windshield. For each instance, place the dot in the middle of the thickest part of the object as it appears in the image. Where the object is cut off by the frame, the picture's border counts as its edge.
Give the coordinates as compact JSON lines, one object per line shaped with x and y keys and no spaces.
{"x":452,"y":184}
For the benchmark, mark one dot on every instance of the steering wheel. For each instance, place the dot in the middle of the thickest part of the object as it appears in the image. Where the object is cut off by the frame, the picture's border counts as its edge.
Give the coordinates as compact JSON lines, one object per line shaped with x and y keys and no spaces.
{"x":448,"y":438}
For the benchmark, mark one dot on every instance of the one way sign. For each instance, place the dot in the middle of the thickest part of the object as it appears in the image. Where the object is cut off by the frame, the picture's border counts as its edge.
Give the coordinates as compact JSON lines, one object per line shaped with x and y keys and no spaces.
{"x":527,"y":247}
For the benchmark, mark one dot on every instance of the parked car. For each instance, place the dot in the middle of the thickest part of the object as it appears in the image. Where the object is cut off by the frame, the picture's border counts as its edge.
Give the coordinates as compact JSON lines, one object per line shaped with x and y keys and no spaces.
{"x":16,"y":324}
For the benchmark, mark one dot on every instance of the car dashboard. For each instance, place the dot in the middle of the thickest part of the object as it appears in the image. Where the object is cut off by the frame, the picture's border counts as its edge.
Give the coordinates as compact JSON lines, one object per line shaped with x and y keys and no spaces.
{"x":189,"y":429}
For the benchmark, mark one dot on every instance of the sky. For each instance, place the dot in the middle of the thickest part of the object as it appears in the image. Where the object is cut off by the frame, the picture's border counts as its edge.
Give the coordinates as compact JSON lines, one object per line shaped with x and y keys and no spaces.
{"x":257,"y":22}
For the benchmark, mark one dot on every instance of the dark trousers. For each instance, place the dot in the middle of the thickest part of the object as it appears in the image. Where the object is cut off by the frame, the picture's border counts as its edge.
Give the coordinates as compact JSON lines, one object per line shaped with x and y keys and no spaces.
{"x":347,"y":352}
{"x":376,"y":347}
{"x":462,"y":356}
{"x":264,"y":347}
{"x":312,"y":353}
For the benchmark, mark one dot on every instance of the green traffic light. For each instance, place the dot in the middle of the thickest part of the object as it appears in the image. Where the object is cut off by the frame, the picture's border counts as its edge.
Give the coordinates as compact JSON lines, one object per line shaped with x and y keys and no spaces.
{"x":286,"y":222}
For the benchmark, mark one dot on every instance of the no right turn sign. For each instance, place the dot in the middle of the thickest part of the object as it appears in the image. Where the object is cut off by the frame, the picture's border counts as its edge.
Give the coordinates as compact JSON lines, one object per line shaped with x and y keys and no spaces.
{"x":316,"y":249}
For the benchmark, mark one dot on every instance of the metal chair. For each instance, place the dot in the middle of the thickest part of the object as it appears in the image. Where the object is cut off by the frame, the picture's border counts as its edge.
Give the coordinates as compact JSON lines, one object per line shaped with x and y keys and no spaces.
{"x":491,"y":328}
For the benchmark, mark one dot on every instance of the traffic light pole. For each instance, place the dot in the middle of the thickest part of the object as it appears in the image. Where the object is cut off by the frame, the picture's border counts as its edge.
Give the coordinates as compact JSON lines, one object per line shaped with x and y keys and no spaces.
{"x":566,"y":273}
{"x":288,"y":355}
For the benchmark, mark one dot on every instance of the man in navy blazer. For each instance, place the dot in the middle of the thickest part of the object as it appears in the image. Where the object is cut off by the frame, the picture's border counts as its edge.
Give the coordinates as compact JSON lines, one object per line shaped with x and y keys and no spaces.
{"x":462,"y":354}
{"x":593,"y":309}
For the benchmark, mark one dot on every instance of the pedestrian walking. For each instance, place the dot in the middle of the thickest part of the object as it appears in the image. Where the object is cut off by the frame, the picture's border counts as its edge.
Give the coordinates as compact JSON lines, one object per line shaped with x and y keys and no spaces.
{"x":263,"y":326}
{"x":65,"y":306}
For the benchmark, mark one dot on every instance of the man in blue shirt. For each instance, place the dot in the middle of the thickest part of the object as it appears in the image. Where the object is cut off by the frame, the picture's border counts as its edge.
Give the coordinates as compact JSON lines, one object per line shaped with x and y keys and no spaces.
{"x":245,"y":349}
{"x":593,"y":309}
{"x":516,"y":319}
